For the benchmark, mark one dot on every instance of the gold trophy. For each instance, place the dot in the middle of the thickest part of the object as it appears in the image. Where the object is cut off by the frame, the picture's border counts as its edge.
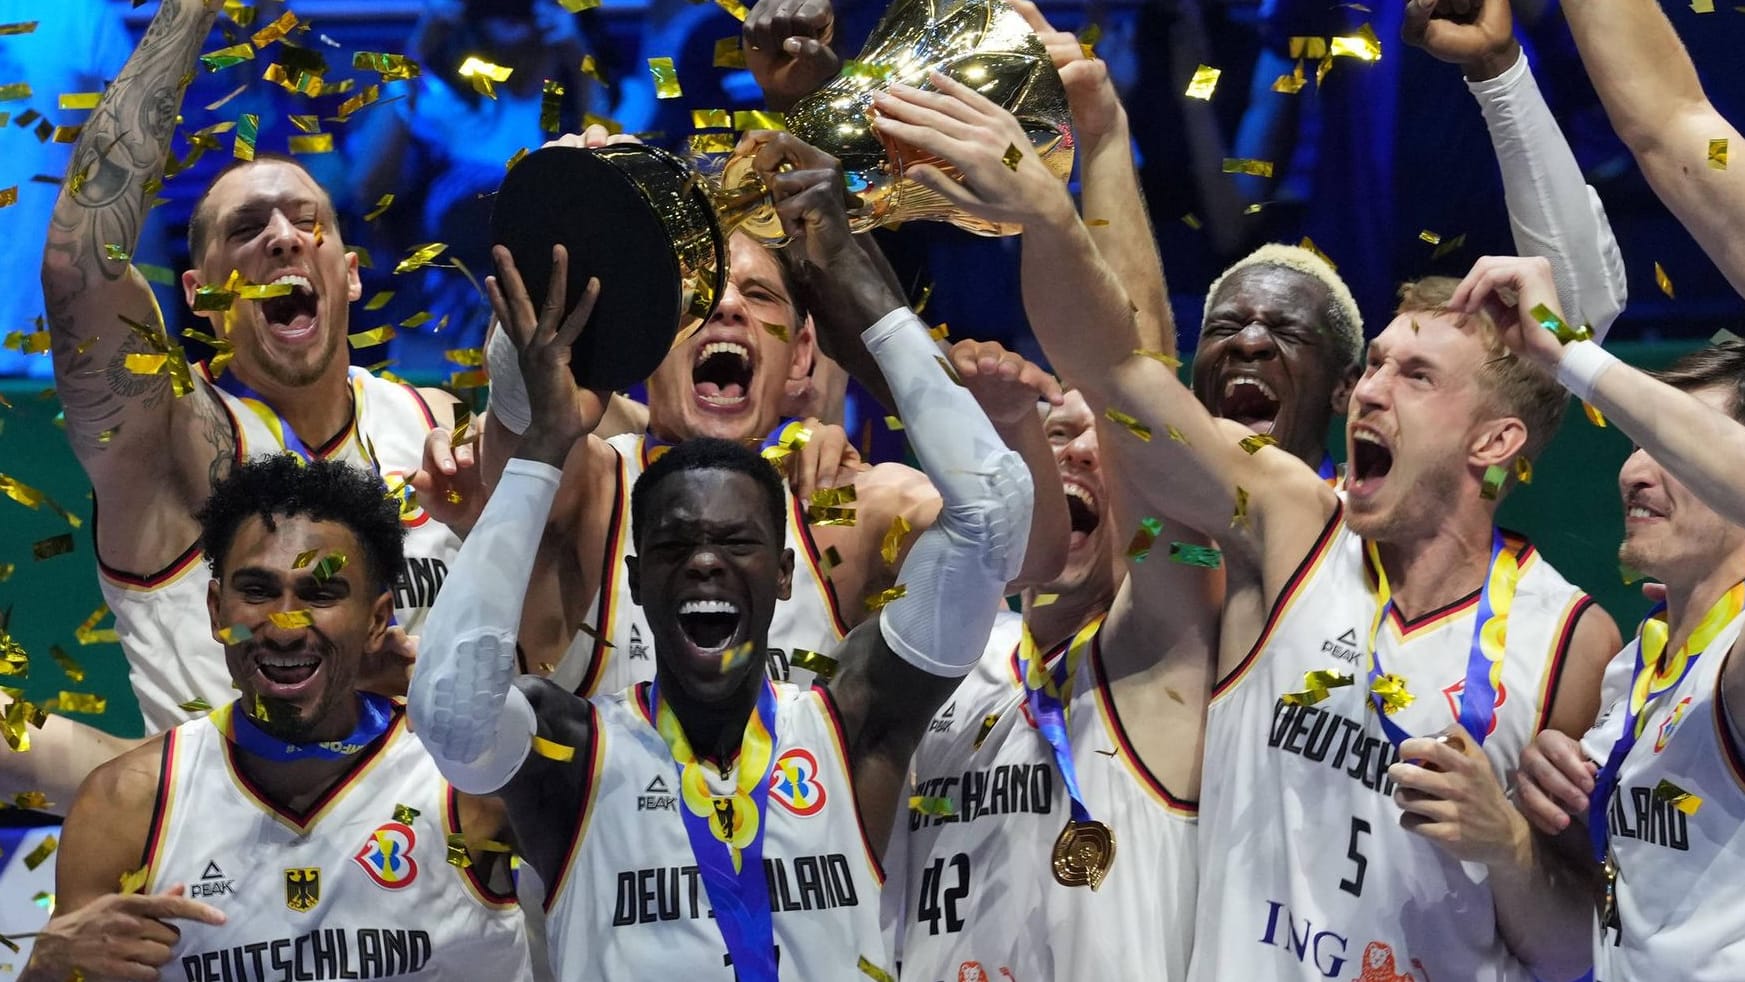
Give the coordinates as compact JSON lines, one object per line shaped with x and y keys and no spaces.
{"x":654,"y":228}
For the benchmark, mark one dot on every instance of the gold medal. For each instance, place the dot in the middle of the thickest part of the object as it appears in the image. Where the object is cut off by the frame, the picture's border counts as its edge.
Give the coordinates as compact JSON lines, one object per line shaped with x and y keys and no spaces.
{"x":1083,"y":854}
{"x":1609,"y":914}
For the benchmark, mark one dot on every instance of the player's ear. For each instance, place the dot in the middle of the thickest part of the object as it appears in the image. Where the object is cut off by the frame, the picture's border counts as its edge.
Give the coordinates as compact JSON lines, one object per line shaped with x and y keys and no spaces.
{"x":785,"y":579}
{"x":633,"y":578}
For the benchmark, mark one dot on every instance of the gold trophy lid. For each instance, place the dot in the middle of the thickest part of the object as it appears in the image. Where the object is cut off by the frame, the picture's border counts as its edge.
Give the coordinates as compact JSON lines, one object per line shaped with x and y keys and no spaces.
{"x":630,"y":215}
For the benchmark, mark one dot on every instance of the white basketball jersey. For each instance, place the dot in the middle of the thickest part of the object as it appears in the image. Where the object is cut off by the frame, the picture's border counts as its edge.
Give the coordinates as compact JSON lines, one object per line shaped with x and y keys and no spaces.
{"x":161,"y":618}
{"x":808,"y":620}
{"x":344,"y":891}
{"x":979,"y":895}
{"x":1305,"y":871}
{"x":629,"y":903}
{"x":1678,"y":874}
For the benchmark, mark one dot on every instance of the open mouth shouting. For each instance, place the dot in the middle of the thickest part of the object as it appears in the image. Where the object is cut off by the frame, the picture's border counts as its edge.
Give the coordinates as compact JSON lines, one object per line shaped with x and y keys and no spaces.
{"x":1082,"y":510}
{"x":711,"y":627}
{"x":721,"y":376}
{"x":1250,"y":401}
{"x":294,"y":317}
{"x":1372,"y":457}
{"x":285,"y":674}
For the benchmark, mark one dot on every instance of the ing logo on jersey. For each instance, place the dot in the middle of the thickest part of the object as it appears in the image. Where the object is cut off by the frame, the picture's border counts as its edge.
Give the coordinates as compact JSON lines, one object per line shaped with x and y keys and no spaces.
{"x":1671,"y":723}
{"x":794,"y":782}
{"x":387,"y":856}
{"x":302,"y":888}
{"x":1452,"y":693}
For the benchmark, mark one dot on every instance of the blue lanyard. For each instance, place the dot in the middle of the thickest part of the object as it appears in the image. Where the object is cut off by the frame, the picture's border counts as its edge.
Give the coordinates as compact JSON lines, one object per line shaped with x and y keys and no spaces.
{"x":375,"y":715}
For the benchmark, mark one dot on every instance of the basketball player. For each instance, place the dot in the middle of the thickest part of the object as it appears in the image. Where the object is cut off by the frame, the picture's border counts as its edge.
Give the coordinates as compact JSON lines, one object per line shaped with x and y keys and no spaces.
{"x":312,"y":828}
{"x":1648,"y":797}
{"x":777,"y":823}
{"x":1407,"y":558}
{"x":153,"y":442}
{"x":727,"y":381}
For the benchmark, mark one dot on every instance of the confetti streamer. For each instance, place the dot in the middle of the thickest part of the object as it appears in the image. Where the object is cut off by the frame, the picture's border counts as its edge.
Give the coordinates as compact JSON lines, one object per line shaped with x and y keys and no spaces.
{"x":80,"y":100}
{"x":1242,"y":165}
{"x":247,"y":129}
{"x":68,"y":663}
{"x":1594,"y":416}
{"x":1139,"y":549}
{"x":224,"y":58}
{"x":872,"y":971}
{"x":82,"y":702}
{"x":1549,"y":320}
{"x":1393,"y":692}
{"x":1662,"y":280}
{"x":1364,"y":45}
{"x":275,"y":31}
{"x":734,"y":656}
{"x":312,"y":143}
{"x":551,"y":750}
{"x":666,"y":78}
{"x":305,"y":558}
{"x":364,"y":98}
{"x":382,"y":204}
{"x":550,"y":106}
{"x":939,"y":807}
{"x":404,"y":814}
{"x":1133,"y":425}
{"x":880,"y":600}
{"x":1204,"y":82}
{"x":32,"y":800}
{"x":44,"y":849}
{"x":389,"y":67}
{"x":1012,"y":157}
{"x":1448,"y":247}
{"x":484,"y":75}
{"x":1718,"y":154}
{"x":1253,"y":442}
{"x":1168,"y":360}
{"x":54,"y":545}
{"x":9,"y":196}
{"x":759,"y":119}
{"x":9,"y":30}
{"x":329,"y":566}
{"x":1239,"y":519}
{"x":291,"y":620}
{"x":1494,"y":477}
{"x":818,"y":664}
{"x":1189,"y":554}
{"x":1316,"y":685}
{"x":1523,"y":470}
{"x":458,"y":856}
{"x":195,"y":705}
{"x":420,"y":257}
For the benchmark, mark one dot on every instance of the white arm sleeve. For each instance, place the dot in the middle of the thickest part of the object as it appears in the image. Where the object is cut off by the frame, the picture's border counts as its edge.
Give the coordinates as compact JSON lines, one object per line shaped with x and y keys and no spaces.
{"x":957,"y":571}
{"x":476,"y":724}
{"x":1553,"y":212}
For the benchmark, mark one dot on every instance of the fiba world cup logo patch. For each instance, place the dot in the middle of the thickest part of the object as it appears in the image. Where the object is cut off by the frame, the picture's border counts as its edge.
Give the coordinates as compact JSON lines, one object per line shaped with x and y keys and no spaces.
{"x":794,"y":782}
{"x":387,"y":856}
{"x":1664,"y":734}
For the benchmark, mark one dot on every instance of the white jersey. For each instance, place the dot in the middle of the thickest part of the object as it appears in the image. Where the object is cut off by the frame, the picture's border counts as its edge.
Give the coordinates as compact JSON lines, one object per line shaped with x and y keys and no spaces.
{"x":620,"y":651}
{"x":979,"y":896}
{"x":629,"y":903}
{"x":162,"y":619}
{"x":343,"y":891}
{"x":1678,"y":874}
{"x":1305,"y":871}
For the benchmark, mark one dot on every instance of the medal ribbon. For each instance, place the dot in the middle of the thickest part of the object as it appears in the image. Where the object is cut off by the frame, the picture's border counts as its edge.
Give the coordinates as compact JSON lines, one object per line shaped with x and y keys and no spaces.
{"x":734,"y":875}
{"x":1648,"y":684}
{"x":1484,"y":660}
{"x":1327,"y":470}
{"x":375,"y":714}
{"x":1048,"y":692}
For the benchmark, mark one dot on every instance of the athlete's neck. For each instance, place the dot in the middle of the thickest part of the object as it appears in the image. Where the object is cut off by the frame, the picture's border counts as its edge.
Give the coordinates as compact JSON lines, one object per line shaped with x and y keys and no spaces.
{"x":316,"y":412}
{"x":1688,"y":600}
{"x":714,"y":729}
{"x":1053,"y":623}
{"x":1433,"y":571}
{"x":298,"y":783}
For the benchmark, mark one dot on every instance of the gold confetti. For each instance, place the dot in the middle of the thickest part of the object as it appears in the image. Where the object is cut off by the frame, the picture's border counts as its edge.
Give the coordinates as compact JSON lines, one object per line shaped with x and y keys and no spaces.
{"x":304,"y":558}
{"x":893,"y":541}
{"x":312,"y":143}
{"x":733,"y":7}
{"x":818,"y":664}
{"x":1702,"y":6}
{"x":291,"y":620}
{"x":1718,"y":154}
{"x":550,"y":106}
{"x":1594,"y":416}
{"x":380,"y":300}
{"x":234,"y":634}
{"x":1450,"y":246}
{"x":1393,"y":692}
{"x":1677,"y":797}
{"x":484,"y":75}
{"x":6,"y":571}
{"x":1044,"y":599}
{"x":1239,"y":519}
{"x":591,"y":68}
{"x":1189,"y":554}
{"x":329,"y":566}
{"x":1012,"y":157}
{"x":1494,"y":478}
{"x":195,"y":705}
{"x":224,"y":58}
{"x":1140,"y":548}
{"x":68,"y":663}
{"x":247,"y":129}
{"x":940,"y":807}
{"x":420,"y":256}
{"x":734,"y":656}
{"x":1291,"y":84}
{"x":8,"y":30}
{"x":473,"y":378}
{"x":828,"y":562}
{"x":8,"y":196}
{"x":1204,"y":82}
{"x":1175,"y":434}
{"x":514,"y":159}
{"x":404,"y":814}
{"x":1364,"y":45}
{"x":552,"y":750}
{"x":1243,"y":165}
{"x":44,"y":849}
{"x":1133,"y":425}
{"x":1168,"y":360}
{"x":1430,"y":237}
{"x":987,"y":727}
{"x":302,"y":83}
{"x":1308,"y":47}
{"x":275,"y":31}
{"x":1662,"y":280}
{"x":33,"y":800}
{"x":577,"y":6}
{"x":666,"y":78}
{"x":940,"y":332}
{"x":87,"y":632}
{"x":14,"y":92}
{"x":389,"y":67}
{"x":54,"y":545}
{"x":758,"y":119}
{"x":133,"y":881}
{"x":950,"y":373}
{"x":1192,"y":221}
{"x":1549,"y":320}
{"x":879,"y":600}
{"x":306,"y":123}
{"x":67,"y":134}
{"x":458,"y":856}
{"x":1523,"y":470}
{"x":366,"y":97}
{"x":1254,"y":441}
{"x":382,"y":204}
{"x":872,"y":971}
{"x":893,"y":424}
{"x":11,"y":945}
{"x":1315,"y":687}
{"x":82,"y":702}
{"x":80,"y":100}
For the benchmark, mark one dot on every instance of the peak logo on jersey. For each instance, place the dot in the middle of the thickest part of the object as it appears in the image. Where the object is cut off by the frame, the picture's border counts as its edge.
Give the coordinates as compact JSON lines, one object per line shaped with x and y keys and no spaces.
{"x":1671,"y":723}
{"x":212,"y":883}
{"x":942,"y":722}
{"x":657,"y":797}
{"x":637,"y":648}
{"x":1452,"y":694}
{"x":387,"y":856}
{"x":302,"y":888}
{"x":794,"y":782}
{"x":1343,"y":647}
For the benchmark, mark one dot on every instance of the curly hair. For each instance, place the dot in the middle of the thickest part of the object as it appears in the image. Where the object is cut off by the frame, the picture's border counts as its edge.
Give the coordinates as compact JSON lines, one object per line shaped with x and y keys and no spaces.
{"x":284,"y":486}
{"x":708,"y":453}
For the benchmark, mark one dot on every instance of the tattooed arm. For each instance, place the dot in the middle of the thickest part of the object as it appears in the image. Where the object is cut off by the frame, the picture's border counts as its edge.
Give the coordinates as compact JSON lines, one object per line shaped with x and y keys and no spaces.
{"x":150,"y":456}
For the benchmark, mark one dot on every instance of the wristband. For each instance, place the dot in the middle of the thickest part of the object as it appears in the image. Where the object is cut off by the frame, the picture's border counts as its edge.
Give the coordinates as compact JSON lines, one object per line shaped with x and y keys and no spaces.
{"x":1582,"y":365}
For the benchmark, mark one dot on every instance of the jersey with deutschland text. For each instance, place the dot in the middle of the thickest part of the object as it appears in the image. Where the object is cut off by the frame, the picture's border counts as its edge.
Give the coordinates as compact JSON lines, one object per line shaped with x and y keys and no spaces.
{"x":347,"y":890}
{"x":620,"y":650}
{"x":1305,"y":870}
{"x":979,"y":893}
{"x":161,"y":618}
{"x":629,"y":903}
{"x":1679,"y":868}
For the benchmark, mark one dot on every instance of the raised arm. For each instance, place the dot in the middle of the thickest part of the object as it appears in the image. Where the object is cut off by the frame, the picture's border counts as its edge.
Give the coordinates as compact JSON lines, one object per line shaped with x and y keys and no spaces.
{"x":1552,"y":211}
{"x":1651,"y":92}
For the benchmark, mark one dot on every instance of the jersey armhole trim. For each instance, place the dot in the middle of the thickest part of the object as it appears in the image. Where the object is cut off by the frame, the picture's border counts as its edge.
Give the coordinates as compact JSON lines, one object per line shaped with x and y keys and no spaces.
{"x":476,"y":885}
{"x":611,"y":567}
{"x":1129,"y":757}
{"x":158,"y":829}
{"x":834,"y":723}
{"x":1565,"y":636}
{"x":1293,"y":585}
{"x":136,"y":581}
{"x":596,"y":760}
{"x":1731,"y":755}
{"x":809,"y":550}
{"x":422,"y":404}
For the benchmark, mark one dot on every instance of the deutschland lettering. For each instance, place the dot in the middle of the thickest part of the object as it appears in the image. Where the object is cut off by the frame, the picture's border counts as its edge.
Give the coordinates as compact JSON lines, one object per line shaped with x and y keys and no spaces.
{"x":364,"y":953}
{"x":1002,"y":790}
{"x":1650,"y":819}
{"x":1340,"y":743}
{"x":669,"y":893}
{"x":418,"y":581}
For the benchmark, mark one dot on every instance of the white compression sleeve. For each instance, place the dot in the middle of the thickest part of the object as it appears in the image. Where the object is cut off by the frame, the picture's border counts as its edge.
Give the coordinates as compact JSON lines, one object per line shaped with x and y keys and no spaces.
{"x":1553,"y":212}
{"x":509,"y":404}
{"x":462,"y":704}
{"x":958,"y":569}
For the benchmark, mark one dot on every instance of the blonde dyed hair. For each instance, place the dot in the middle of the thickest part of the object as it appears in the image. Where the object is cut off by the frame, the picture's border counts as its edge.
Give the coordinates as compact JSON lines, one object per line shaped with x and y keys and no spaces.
{"x":1340,"y":315}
